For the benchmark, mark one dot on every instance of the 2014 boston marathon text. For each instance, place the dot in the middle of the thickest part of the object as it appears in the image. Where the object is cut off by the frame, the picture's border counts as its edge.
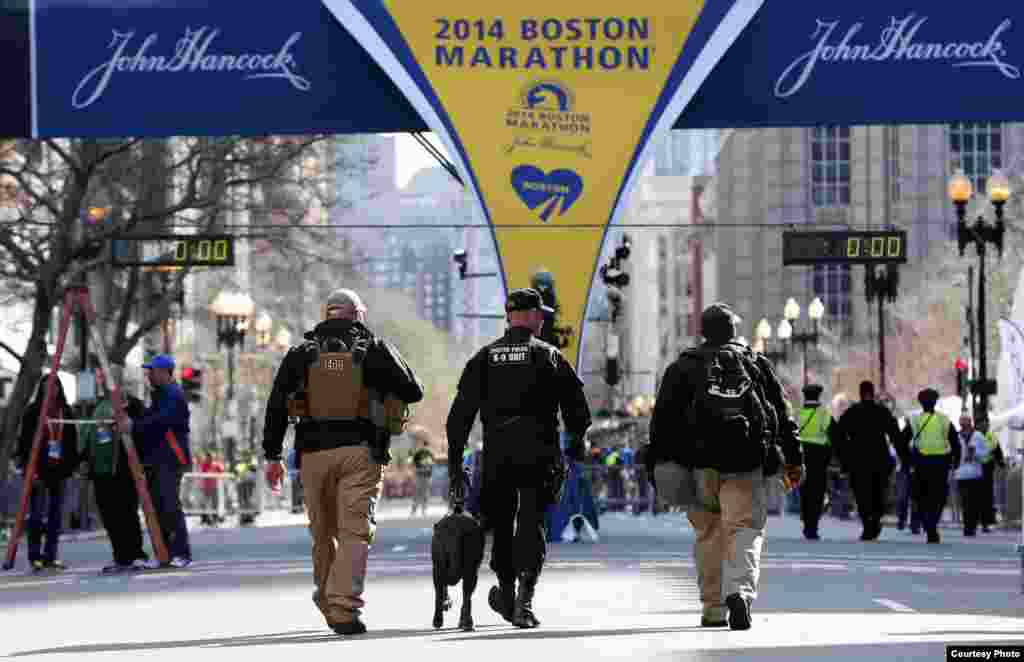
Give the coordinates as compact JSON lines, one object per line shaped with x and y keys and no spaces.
{"x":469,"y":43}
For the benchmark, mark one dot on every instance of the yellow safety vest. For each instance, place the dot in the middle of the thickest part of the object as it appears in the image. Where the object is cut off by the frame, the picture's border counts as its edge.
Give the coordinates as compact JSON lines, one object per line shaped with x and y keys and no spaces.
{"x":814,"y":423}
{"x":931,"y":431}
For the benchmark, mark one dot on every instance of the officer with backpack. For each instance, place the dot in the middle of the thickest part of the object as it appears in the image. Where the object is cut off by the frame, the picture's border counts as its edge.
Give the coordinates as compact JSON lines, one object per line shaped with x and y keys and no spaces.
{"x":721,"y":414}
{"x":815,"y":421}
{"x":346,"y":391}
{"x":518,"y":384}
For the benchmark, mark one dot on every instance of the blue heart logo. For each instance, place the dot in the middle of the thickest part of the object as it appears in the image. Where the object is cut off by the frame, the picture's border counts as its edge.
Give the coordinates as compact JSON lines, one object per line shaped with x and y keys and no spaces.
{"x":536,"y":189}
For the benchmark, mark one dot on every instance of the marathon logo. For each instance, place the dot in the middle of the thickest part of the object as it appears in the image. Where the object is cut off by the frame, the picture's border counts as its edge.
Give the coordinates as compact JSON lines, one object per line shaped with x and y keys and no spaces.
{"x":510,"y":355}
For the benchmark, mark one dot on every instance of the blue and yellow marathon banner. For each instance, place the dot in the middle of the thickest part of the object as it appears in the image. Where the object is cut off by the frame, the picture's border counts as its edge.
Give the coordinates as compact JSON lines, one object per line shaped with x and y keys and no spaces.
{"x":546,"y":108}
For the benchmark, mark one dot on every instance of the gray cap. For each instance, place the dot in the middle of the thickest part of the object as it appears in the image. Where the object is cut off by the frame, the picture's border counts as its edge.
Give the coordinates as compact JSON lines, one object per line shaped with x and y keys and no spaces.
{"x":343,"y":298}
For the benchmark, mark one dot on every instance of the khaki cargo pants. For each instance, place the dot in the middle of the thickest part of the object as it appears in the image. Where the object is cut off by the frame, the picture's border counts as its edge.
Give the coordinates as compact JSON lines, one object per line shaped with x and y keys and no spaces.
{"x":342,"y":487}
{"x":730,"y":528}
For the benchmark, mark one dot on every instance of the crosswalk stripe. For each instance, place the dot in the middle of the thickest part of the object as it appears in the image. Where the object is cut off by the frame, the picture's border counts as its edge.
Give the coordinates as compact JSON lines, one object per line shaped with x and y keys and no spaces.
{"x":895,"y":606}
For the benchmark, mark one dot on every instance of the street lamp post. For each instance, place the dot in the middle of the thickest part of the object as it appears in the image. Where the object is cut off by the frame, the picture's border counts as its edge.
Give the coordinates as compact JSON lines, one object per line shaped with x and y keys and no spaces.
{"x":763,"y":333}
{"x":233,"y":311}
{"x":815,"y":311}
{"x":980,"y":234}
{"x":880,"y":285}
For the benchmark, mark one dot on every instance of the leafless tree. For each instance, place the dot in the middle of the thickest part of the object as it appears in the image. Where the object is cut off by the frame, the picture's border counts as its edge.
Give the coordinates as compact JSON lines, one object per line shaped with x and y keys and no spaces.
{"x":62,"y":202}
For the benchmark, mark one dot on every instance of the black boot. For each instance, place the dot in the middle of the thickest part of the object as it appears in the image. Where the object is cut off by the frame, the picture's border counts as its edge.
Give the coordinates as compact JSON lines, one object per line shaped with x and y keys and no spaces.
{"x":523,"y":616}
{"x":502,"y":599}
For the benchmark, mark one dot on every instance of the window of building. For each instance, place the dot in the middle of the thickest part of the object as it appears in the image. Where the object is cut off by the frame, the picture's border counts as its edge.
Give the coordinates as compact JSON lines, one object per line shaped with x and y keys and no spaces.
{"x":662,"y":268}
{"x":833,"y":283}
{"x":977,"y":149}
{"x":830,"y":166}
{"x":895,"y":174}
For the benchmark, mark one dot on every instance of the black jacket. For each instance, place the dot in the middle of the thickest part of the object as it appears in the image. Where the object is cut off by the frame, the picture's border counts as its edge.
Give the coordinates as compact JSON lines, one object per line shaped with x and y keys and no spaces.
{"x":671,"y":440}
{"x":862,"y":436}
{"x":70,"y":455}
{"x":517,"y":384}
{"x":384,"y":370}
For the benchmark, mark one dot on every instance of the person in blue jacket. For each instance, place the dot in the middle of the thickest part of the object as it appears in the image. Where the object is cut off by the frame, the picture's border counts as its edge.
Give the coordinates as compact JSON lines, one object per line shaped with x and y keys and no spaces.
{"x":162,"y":437}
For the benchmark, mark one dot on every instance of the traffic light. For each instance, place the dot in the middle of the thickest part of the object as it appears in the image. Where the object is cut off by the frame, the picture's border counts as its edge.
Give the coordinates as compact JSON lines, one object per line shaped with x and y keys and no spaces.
{"x":192,"y":383}
{"x":960,"y":366}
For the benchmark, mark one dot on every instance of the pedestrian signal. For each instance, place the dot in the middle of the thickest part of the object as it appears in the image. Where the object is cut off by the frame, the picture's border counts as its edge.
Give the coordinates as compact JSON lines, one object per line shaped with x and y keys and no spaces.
{"x":192,"y":383}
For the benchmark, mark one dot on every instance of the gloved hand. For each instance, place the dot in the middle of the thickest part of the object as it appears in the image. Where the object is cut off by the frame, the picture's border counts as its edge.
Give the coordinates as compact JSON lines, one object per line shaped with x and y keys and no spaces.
{"x":792,"y":475}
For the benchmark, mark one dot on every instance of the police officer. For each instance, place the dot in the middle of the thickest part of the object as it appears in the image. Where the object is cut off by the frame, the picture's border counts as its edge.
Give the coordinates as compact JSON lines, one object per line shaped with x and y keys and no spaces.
{"x":930,"y":445}
{"x":341,"y":455}
{"x":730,"y":473}
{"x":815,"y":421}
{"x":518,"y":384}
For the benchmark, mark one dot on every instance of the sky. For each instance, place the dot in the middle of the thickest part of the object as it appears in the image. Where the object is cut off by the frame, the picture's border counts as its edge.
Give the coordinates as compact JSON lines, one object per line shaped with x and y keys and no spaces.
{"x":412,"y":157}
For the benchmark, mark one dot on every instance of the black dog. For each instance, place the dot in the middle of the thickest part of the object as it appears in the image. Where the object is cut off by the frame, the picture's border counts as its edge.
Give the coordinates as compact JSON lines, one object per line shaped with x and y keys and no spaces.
{"x":457,"y":550}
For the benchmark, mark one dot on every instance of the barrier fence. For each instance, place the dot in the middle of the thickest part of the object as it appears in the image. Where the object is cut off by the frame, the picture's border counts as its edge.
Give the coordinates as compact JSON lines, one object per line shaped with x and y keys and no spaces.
{"x":623,"y":488}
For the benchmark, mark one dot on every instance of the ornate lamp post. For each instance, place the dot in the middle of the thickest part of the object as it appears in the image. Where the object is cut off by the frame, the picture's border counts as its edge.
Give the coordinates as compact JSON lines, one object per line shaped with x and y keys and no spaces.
{"x":980,"y":233}
{"x":233,"y":311}
{"x":815,"y":312}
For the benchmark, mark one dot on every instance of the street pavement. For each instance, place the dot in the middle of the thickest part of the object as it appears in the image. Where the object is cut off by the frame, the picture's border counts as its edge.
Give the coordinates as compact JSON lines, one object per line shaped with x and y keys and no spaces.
{"x":631,"y":595}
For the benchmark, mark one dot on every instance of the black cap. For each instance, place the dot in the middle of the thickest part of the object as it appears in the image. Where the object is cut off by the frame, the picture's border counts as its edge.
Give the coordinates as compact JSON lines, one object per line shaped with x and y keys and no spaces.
{"x":526,"y":299}
{"x":813,"y":391}
{"x":718,"y":323}
{"x":928,"y":396}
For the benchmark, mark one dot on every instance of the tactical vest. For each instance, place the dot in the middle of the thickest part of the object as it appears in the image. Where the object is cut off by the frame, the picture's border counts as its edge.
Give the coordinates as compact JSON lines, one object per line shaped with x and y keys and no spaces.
{"x":334,"y":389}
{"x":814,"y":425}
{"x":931,"y":434}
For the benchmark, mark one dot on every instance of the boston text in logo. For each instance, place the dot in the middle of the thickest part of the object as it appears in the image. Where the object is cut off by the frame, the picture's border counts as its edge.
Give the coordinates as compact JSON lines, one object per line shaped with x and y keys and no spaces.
{"x":537,"y":189}
{"x":193,"y":53}
{"x":900,"y":41}
{"x":548,"y":106}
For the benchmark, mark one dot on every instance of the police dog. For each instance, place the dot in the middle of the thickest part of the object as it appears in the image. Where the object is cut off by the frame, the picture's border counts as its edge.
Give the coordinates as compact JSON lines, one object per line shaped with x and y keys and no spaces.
{"x":457,"y":550}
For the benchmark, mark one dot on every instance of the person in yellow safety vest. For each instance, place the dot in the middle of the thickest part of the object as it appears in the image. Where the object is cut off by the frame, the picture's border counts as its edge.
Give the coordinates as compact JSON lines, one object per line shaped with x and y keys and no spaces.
{"x":993,"y":458}
{"x":931,"y":445}
{"x":815,"y":421}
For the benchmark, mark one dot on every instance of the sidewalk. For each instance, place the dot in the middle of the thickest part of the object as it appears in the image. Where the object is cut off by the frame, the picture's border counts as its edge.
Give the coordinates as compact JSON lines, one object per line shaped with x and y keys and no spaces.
{"x":390,"y":509}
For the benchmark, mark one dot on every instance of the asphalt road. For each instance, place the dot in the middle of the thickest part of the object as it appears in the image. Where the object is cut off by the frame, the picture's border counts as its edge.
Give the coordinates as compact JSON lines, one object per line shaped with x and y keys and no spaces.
{"x":631,"y":595}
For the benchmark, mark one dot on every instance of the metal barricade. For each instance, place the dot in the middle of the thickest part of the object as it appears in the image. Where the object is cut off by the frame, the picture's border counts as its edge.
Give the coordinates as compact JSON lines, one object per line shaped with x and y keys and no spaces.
{"x":220,"y":495}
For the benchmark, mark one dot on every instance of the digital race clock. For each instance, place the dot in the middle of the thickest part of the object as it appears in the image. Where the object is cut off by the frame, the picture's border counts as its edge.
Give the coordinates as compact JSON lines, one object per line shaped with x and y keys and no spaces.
{"x":843,"y":246}
{"x":174,"y":251}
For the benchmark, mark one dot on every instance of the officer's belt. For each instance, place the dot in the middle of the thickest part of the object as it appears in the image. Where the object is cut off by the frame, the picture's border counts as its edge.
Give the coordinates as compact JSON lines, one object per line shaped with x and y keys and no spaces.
{"x":500,"y":423}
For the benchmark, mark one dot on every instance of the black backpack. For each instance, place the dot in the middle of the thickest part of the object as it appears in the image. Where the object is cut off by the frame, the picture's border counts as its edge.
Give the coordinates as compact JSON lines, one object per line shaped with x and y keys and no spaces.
{"x":727,"y":413}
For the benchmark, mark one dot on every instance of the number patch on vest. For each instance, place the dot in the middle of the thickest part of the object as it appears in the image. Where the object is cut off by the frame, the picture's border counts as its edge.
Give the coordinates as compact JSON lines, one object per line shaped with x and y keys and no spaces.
{"x":510,"y":355}
{"x":332,"y":364}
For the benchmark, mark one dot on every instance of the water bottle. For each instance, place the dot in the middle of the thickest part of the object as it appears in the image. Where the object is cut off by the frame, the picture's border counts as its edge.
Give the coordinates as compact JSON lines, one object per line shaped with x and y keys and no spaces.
{"x":103,"y":436}
{"x":53,"y":451}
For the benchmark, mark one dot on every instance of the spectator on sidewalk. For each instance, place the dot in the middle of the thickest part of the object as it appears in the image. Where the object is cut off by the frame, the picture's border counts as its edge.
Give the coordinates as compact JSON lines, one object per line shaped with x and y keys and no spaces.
{"x":57,"y":460}
{"x":423,"y":465}
{"x":162,"y":433}
{"x":116,"y":494}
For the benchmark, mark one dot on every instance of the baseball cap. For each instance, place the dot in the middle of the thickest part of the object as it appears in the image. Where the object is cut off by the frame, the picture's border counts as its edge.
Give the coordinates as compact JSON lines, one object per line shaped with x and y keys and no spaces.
{"x":165,"y":361}
{"x":344,"y":297}
{"x":526,"y":299}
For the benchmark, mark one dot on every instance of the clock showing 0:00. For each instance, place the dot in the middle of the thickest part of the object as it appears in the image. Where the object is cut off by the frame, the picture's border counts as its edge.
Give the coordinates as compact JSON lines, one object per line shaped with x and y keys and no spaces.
{"x":844,"y":247}
{"x":878,"y":248}
{"x":171,"y":252}
{"x":204,"y":251}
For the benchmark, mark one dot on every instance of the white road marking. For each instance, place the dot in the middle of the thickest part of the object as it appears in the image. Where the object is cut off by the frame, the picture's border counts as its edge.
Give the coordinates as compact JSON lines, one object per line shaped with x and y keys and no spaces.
{"x":895,"y":606}
{"x":913,"y":569}
{"x":991,"y":571}
{"x":49,"y":582}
